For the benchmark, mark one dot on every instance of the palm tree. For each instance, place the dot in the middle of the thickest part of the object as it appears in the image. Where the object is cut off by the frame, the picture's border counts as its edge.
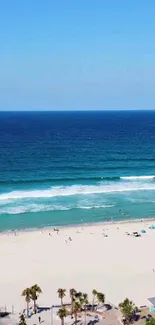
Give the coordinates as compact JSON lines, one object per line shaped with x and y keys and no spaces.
{"x":62,"y":313}
{"x":35,"y":291}
{"x":22,"y":320}
{"x":83,"y":299}
{"x":72,"y":296}
{"x":127,"y":308}
{"x":76,"y":308}
{"x":94,"y":292}
{"x":78,"y":295}
{"x":85,"y":303}
{"x":85,"y":296}
{"x":61,"y":294}
{"x":100,"y":297}
{"x":27,"y":294}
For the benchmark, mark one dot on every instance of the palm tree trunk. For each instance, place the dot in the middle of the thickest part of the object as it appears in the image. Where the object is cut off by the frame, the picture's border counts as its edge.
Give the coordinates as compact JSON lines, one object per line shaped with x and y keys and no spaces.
{"x":27,"y":309}
{"x":62,"y":321}
{"x":93,"y":303}
{"x":61,"y":302}
{"x":75,"y":317}
{"x":85,"y":316}
{"x":35,"y":307}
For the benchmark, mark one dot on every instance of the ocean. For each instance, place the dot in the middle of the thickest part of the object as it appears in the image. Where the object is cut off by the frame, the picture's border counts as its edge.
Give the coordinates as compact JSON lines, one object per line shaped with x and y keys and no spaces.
{"x":66,"y":168}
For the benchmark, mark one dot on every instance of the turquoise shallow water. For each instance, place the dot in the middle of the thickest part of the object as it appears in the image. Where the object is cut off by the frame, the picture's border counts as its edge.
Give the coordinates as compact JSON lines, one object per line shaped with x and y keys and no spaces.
{"x":69,"y":168}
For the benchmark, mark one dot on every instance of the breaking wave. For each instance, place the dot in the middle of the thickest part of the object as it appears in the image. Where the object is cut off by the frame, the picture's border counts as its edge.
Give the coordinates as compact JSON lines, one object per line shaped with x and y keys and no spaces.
{"x":62,"y":191}
{"x":43,"y":208}
{"x":132,"y":178}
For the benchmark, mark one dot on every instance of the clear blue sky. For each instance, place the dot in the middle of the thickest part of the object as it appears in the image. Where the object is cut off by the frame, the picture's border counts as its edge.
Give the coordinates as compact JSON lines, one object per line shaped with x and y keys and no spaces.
{"x":77,"y":54}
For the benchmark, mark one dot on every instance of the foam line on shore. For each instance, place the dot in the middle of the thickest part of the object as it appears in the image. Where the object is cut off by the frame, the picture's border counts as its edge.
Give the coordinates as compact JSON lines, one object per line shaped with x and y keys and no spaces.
{"x":78,"y":225}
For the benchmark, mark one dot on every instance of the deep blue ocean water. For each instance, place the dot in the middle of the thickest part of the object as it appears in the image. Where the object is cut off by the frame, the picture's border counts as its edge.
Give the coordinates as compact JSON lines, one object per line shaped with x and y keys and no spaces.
{"x":65,"y":168}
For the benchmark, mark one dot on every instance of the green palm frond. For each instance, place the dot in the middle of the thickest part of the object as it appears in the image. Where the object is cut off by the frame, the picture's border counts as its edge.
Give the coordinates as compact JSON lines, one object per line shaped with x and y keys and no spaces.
{"x":61,"y":293}
{"x":100,"y":297}
{"x":62,"y":312}
{"x":72,"y":292}
{"x":27,"y":294}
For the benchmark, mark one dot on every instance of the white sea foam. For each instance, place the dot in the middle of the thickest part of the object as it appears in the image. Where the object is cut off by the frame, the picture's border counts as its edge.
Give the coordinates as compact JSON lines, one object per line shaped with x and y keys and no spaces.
{"x":42,"y":208}
{"x":95,"y":207}
{"x":31,"y":208}
{"x":62,"y":191}
{"x":133,"y":200}
{"x":131,"y":178}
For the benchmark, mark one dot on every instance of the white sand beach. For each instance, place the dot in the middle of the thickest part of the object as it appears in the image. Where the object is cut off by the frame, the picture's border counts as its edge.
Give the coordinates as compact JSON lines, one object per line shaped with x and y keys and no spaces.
{"x":118,"y":265}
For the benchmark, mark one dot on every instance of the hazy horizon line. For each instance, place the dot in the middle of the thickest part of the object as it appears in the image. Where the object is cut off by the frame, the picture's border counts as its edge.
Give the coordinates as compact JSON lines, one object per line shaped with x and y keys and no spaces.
{"x":77,"y":110}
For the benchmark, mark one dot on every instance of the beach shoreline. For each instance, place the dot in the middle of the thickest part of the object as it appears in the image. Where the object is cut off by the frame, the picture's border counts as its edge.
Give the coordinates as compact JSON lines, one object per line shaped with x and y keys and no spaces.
{"x":78,"y":225}
{"x":97,"y":256}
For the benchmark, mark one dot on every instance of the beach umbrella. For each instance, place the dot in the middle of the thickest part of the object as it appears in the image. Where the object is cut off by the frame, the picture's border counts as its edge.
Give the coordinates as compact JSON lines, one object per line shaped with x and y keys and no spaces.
{"x":143,"y":231}
{"x":152,"y":227}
